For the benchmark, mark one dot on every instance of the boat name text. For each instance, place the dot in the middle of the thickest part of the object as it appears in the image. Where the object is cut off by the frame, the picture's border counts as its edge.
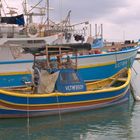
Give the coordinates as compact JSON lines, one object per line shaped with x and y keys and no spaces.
{"x":74,"y":87}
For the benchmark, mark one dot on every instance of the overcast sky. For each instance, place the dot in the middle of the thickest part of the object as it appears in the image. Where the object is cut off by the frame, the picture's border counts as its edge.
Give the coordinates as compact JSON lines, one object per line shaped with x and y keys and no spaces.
{"x":120,"y":18}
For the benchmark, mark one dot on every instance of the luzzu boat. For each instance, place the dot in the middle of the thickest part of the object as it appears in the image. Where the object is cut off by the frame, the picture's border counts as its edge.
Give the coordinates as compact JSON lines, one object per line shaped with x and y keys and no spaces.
{"x":69,"y":97}
{"x":91,"y":67}
{"x":55,"y":92}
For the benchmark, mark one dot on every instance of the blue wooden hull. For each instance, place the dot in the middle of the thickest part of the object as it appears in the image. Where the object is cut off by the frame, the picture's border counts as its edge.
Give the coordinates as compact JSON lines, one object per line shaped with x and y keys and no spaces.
{"x":23,"y":105}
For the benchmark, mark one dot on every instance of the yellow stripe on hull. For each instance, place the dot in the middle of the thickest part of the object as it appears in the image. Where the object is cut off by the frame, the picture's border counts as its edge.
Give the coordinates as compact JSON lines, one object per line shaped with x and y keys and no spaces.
{"x":96,"y":65}
{"x":66,"y":103}
{"x":14,"y":73}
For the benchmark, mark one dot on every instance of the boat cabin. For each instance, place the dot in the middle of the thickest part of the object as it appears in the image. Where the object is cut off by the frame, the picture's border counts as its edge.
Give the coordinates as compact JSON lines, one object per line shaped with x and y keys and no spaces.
{"x":55,"y":74}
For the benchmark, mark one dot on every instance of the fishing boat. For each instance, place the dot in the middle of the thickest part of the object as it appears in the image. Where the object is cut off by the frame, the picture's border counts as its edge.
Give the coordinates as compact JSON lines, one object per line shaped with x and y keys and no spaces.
{"x":91,"y":67}
{"x":54,"y":91}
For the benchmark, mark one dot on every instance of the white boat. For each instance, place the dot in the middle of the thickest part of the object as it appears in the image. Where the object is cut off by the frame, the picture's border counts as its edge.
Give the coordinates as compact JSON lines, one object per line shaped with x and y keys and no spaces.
{"x":24,"y":30}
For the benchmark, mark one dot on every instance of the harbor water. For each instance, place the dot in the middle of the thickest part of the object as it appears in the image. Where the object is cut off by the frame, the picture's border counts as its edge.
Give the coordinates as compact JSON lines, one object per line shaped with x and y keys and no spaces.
{"x":120,"y":122}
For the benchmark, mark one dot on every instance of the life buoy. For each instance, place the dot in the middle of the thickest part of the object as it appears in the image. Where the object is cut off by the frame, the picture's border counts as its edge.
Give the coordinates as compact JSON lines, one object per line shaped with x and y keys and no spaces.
{"x":33,"y":30}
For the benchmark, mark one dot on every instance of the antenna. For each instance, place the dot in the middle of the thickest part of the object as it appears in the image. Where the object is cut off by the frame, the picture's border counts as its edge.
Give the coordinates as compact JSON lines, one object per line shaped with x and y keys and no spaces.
{"x":95,"y":30}
{"x":101,"y":30}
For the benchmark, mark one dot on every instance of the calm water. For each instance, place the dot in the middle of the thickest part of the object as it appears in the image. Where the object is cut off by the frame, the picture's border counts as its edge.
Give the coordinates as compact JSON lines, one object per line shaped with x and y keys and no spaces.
{"x":120,"y":122}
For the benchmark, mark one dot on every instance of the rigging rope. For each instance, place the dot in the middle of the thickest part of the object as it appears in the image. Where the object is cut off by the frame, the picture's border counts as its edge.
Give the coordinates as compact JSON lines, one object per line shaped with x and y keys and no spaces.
{"x":6,"y":3}
{"x":3,"y":8}
{"x":60,"y":9}
{"x":35,"y":6}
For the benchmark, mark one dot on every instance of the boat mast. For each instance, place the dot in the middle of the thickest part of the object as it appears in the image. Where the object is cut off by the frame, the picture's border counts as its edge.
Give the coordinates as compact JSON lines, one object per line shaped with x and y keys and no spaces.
{"x":48,"y":14}
{"x":25,"y":7}
{"x":0,"y":10}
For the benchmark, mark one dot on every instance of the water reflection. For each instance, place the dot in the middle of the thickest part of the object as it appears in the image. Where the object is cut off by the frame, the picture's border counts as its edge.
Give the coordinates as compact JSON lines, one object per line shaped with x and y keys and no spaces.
{"x":109,"y":123}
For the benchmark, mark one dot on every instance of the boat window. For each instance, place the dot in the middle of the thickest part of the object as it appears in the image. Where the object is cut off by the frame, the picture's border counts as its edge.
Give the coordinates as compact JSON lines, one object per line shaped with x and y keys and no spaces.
{"x":68,"y":78}
{"x":35,"y":41}
{"x":63,"y":77}
{"x":74,"y":78}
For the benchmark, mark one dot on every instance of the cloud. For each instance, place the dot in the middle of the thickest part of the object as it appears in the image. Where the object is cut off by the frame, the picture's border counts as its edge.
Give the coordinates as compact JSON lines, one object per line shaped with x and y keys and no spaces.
{"x":128,"y":14}
{"x":87,"y":9}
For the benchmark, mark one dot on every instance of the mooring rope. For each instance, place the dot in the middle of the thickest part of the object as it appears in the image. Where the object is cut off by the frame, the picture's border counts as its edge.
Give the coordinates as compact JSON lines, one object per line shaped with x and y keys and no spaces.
{"x":28,"y":117}
{"x":58,"y":106}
